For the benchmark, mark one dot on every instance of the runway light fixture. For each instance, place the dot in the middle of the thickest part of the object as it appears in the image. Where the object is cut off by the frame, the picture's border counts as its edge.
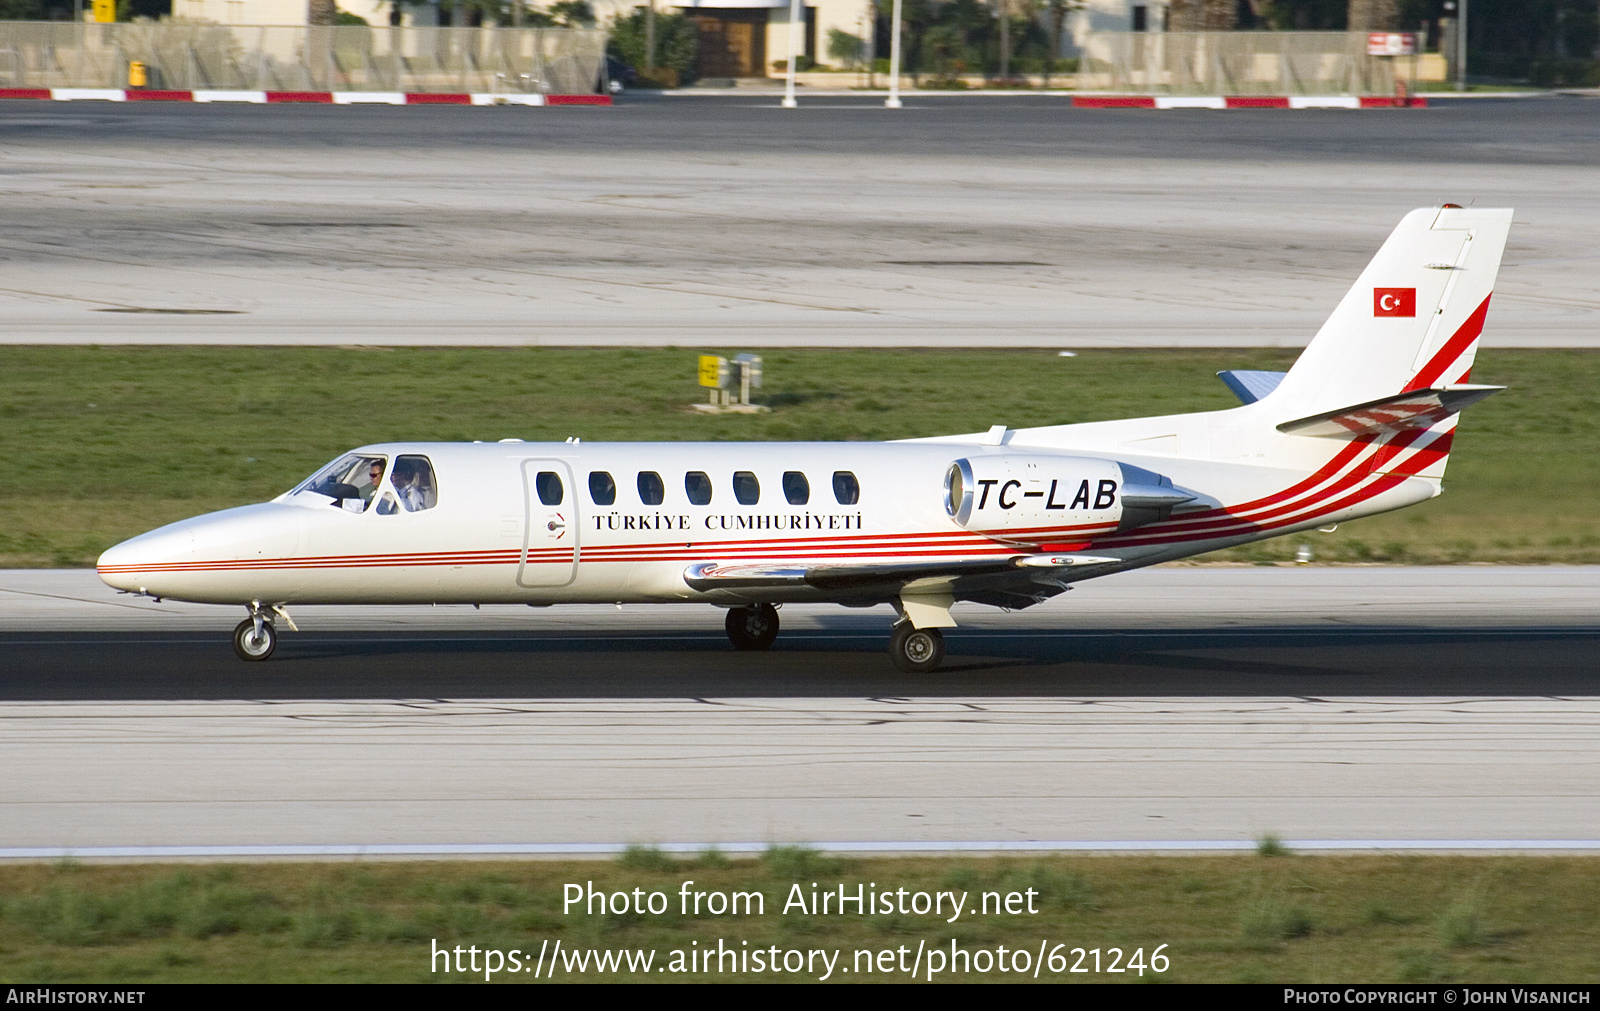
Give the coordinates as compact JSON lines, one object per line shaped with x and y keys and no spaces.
{"x":794,"y":35}
{"x":893,"y":101}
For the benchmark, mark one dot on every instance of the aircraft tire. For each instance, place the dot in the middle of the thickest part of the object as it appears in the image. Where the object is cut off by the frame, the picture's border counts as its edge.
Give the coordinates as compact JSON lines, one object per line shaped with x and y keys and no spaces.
{"x":752,"y":627}
{"x":916,"y":650}
{"x":248,"y":646}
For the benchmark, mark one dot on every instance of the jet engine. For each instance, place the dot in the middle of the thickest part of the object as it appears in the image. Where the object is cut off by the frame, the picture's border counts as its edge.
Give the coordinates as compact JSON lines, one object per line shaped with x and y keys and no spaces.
{"x":1039,"y":499}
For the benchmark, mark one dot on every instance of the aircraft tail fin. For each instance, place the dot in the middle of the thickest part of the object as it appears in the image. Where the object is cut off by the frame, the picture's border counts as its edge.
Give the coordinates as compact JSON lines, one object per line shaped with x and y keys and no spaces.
{"x":1412,"y":320}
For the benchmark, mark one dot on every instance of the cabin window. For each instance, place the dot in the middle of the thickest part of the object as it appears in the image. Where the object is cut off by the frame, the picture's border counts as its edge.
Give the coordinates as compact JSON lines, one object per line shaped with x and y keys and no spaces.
{"x":413,"y":483}
{"x":796,"y":488}
{"x":697,"y":486}
{"x":602,"y":489}
{"x":746,"y":488}
{"x":651,"y":488}
{"x":846,"y":489}
{"x":548,"y":485}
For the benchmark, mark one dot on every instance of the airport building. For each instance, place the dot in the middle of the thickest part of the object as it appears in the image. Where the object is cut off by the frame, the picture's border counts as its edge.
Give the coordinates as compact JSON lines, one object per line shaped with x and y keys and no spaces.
{"x":738,"y":38}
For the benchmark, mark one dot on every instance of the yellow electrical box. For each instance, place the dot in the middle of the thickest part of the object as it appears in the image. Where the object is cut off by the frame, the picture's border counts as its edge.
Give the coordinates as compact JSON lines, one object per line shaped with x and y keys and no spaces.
{"x":105,"y":11}
{"x":713,"y":371}
{"x":138,"y":77}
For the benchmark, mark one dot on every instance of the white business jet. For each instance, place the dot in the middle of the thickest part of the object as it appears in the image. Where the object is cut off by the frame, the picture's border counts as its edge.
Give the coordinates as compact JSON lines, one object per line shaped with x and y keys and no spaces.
{"x":1360,"y":425}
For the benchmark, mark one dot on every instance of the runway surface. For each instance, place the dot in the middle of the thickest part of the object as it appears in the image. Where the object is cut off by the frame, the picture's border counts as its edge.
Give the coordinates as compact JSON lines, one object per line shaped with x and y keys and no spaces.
{"x":727,"y":222}
{"x":1182,"y":705}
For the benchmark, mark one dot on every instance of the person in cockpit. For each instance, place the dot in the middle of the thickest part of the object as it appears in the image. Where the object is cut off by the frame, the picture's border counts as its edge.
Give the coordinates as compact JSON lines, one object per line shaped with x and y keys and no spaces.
{"x":408,"y":486}
{"x":375,"y":472}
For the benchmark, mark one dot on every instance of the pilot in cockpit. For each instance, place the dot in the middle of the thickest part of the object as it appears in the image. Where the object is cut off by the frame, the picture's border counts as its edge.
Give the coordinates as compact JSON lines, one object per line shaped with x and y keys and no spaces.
{"x":375,"y":472}
{"x":408,"y":485}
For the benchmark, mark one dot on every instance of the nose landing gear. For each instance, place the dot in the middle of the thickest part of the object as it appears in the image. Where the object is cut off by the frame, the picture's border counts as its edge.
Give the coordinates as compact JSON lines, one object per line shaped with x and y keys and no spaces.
{"x":254,"y":638}
{"x":752,"y":627}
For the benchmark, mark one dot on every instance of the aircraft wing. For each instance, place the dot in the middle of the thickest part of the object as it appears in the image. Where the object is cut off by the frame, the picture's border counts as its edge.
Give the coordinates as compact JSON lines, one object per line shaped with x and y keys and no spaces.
{"x":856,"y":578}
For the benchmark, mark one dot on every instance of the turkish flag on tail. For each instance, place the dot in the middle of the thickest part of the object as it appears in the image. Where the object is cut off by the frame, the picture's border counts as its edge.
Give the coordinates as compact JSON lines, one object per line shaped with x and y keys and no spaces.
{"x":1394,"y":301}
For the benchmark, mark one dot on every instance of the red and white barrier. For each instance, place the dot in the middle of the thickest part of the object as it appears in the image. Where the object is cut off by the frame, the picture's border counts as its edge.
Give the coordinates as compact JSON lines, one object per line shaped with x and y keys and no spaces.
{"x":1246,"y":102}
{"x":287,"y":97}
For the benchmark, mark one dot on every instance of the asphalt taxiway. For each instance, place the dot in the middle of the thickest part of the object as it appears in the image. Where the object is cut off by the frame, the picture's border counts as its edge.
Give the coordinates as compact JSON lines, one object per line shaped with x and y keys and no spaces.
{"x":1451,"y":707}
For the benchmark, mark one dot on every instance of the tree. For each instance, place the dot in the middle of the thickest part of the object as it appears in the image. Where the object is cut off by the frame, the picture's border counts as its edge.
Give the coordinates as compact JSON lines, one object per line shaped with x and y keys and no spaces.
{"x":573,"y":13}
{"x":1202,"y":15}
{"x":844,"y":49}
{"x":1056,"y":12}
{"x":1372,"y":15}
{"x":917,"y":17}
{"x":677,"y":42}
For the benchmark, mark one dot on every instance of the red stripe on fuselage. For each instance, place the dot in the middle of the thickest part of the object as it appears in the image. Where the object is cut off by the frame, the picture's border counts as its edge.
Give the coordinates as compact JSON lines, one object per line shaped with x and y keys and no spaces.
{"x":1310,"y":493}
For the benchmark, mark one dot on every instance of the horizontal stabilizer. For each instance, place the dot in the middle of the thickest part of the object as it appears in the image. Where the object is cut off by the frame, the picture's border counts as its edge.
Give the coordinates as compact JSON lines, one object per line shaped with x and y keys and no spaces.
{"x":1416,"y":409}
{"x":776,"y":575}
{"x":1251,"y":386}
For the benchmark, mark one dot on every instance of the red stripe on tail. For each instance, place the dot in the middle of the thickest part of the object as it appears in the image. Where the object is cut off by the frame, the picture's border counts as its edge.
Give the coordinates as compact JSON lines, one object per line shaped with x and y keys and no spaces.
{"x":1453,"y":349}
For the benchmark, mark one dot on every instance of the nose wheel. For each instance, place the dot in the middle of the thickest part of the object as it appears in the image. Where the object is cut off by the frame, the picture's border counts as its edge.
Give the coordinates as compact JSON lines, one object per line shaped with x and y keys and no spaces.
{"x":254,"y":638}
{"x":753,"y":627}
{"x":916,"y":650}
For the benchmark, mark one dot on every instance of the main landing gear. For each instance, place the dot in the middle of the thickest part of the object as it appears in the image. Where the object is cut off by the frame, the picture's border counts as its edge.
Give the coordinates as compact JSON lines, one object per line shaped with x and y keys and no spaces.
{"x":911,"y":649}
{"x":916,"y":650}
{"x":254,"y":638}
{"x":752,"y":627}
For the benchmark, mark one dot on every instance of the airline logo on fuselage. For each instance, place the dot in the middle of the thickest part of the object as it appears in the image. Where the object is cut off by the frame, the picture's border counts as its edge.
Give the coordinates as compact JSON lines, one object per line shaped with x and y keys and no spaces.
{"x":622,"y":521}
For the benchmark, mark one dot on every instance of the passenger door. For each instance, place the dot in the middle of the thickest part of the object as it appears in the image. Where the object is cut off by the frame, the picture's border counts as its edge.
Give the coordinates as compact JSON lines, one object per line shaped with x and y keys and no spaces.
{"x":550,"y":543}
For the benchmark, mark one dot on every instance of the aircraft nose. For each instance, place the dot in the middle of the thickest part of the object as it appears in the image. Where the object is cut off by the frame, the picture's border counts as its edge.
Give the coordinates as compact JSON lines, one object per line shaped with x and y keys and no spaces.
{"x":195,"y":559}
{"x":130,"y":565}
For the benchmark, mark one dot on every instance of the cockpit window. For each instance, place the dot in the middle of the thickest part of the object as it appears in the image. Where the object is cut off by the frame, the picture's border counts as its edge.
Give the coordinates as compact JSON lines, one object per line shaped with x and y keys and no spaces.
{"x":350,"y":481}
{"x":413,"y":483}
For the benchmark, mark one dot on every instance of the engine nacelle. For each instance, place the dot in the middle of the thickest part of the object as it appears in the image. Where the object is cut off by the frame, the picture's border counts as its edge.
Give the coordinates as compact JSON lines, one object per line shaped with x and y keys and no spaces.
{"x":1055,"y":499}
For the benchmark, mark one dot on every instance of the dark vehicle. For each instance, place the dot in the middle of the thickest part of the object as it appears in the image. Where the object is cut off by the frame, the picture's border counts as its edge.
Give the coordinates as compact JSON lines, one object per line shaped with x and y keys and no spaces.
{"x":618,"y":77}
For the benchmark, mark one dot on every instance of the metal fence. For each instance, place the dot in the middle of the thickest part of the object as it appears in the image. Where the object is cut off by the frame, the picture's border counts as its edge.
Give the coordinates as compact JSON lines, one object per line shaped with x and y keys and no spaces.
{"x":1236,"y":63}
{"x":196,"y":56}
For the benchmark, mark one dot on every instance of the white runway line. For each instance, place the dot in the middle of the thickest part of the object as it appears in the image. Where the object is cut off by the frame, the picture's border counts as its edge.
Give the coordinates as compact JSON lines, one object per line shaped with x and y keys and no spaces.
{"x":579,"y":850}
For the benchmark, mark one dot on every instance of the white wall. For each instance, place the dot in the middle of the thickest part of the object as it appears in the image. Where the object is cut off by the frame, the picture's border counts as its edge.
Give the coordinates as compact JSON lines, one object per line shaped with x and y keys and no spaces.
{"x":242,"y":12}
{"x":1108,"y":16}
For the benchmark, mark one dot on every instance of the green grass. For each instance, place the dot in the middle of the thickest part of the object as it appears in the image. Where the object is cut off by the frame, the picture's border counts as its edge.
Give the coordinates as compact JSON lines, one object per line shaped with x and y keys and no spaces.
{"x":1304,"y":919}
{"x":103,"y":443}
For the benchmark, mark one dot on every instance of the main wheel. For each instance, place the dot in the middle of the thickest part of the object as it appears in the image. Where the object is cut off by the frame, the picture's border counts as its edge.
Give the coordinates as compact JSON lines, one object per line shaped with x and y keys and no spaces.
{"x":753,"y":627}
{"x":916,"y":650}
{"x":252,"y":646}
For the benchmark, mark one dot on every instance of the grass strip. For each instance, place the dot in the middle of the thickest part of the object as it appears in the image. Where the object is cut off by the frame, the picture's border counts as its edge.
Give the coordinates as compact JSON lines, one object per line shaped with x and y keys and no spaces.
{"x":104,"y":443}
{"x":1271,"y":917}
